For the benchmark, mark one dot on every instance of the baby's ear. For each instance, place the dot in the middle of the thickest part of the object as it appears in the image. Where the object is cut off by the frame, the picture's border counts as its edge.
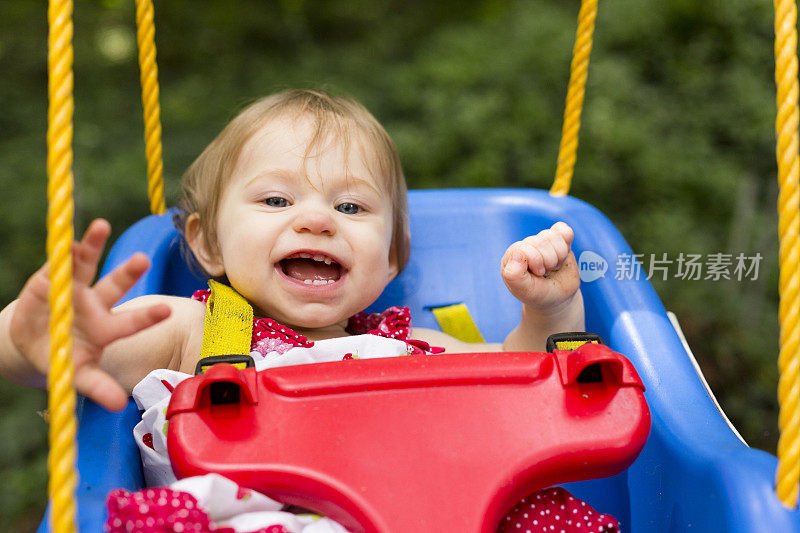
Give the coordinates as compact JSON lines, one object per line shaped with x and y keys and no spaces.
{"x":210,"y":260}
{"x":398,"y":253}
{"x":394,"y":263}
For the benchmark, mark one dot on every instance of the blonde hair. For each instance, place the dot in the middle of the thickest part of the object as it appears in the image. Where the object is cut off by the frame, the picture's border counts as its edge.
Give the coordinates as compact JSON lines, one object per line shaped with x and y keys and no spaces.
{"x":334,"y":117}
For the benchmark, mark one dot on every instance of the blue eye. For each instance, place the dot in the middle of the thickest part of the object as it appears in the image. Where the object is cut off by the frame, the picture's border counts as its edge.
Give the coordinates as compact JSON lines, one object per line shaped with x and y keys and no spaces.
{"x":349,"y":208}
{"x":276,"y":201}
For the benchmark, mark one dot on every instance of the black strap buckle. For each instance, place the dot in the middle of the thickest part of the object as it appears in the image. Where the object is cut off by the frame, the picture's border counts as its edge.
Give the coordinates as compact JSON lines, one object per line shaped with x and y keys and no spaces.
{"x":571,"y":340}
{"x":239,"y":361}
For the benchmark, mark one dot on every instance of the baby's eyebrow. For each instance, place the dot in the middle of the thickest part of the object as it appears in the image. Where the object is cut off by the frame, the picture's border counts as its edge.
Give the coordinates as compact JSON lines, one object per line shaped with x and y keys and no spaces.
{"x":275,"y":173}
{"x":361,"y":182}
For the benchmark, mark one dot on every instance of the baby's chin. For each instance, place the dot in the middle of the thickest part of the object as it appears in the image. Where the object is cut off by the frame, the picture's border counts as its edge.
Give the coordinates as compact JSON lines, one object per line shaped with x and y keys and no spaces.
{"x":312,"y":319}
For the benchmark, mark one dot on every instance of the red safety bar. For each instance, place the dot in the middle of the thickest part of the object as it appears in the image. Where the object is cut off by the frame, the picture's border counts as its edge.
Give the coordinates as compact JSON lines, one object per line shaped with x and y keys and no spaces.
{"x":413,"y":444}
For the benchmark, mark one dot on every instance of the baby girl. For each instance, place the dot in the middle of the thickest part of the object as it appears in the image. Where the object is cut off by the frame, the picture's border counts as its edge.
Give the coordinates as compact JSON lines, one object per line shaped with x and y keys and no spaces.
{"x":300,"y":206}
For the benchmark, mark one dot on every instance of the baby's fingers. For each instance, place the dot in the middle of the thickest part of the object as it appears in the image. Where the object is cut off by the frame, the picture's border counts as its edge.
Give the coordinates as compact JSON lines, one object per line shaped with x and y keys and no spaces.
{"x":560,"y":238}
{"x":38,"y":285}
{"x":87,"y":253}
{"x":518,"y":266}
{"x":516,"y":272}
{"x":539,"y":246}
{"x":564,"y":230}
{"x":126,"y":323}
{"x":515,"y":263}
{"x":114,"y":285}
{"x":553,"y":244}
{"x":94,"y":383}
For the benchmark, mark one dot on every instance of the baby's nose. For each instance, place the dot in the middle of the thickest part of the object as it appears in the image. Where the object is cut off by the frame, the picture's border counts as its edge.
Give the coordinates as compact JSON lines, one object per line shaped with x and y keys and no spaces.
{"x":316,"y":220}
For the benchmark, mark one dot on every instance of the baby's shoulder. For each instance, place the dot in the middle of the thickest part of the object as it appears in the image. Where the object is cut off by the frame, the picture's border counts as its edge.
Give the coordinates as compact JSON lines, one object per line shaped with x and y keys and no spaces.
{"x":186,"y":323}
{"x":186,"y":318}
{"x":172,"y":301}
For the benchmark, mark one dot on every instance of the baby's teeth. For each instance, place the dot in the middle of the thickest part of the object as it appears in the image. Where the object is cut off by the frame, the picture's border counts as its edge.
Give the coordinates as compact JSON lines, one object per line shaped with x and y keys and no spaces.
{"x":327,"y":261}
{"x":317,"y":281}
{"x":319,"y":257}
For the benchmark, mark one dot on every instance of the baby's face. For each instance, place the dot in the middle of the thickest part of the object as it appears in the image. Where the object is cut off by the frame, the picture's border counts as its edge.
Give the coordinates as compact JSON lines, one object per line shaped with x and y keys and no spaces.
{"x":305,"y":240}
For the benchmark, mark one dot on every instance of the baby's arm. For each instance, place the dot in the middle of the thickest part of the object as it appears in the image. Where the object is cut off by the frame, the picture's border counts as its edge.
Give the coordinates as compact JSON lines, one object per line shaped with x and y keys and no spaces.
{"x":112,"y":348}
{"x":542,"y":273}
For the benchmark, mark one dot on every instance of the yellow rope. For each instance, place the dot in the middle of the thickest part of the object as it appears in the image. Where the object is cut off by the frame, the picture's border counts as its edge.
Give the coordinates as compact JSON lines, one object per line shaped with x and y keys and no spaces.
{"x":788,"y":471}
{"x":577,"y":85}
{"x":148,"y":72}
{"x":61,"y":461}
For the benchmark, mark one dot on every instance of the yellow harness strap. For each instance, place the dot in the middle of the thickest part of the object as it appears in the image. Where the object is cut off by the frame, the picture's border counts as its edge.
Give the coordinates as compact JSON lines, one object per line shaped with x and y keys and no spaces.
{"x":456,"y":321}
{"x":229,"y":323}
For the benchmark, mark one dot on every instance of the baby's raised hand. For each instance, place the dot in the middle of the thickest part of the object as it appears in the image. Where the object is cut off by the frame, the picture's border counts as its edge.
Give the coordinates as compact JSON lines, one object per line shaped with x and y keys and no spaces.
{"x":540,"y":270}
{"x":95,"y":325}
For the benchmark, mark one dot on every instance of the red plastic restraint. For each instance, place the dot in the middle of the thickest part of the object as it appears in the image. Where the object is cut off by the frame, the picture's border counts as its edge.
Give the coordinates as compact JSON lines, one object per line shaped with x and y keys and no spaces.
{"x":413,"y":444}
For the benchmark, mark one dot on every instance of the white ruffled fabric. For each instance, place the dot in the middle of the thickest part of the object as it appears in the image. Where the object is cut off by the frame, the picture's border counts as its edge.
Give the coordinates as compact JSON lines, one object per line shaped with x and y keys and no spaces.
{"x":221,"y":498}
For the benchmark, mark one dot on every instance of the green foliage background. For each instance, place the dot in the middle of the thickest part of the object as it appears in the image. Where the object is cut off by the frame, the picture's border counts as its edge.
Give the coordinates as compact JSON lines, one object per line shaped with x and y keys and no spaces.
{"x":677,"y":143}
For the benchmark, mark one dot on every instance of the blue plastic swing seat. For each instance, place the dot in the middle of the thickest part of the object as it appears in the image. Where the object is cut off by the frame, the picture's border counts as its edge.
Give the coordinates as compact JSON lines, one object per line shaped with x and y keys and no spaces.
{"x":695,"y":474}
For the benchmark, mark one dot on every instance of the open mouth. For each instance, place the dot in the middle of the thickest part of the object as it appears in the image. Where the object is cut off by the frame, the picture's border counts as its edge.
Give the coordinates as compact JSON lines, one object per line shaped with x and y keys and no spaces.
{"x":311,"y":269}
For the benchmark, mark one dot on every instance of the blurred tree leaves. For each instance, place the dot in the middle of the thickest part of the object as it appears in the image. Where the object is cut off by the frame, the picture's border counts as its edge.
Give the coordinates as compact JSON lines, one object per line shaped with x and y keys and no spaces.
{"x":677,"y":143}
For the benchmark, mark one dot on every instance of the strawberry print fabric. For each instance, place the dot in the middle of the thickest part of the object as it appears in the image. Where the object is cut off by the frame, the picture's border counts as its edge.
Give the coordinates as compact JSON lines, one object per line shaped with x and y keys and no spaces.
{"x":555,"y":510}
{"x":188,"y":507}
{"x":206,"y":504}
